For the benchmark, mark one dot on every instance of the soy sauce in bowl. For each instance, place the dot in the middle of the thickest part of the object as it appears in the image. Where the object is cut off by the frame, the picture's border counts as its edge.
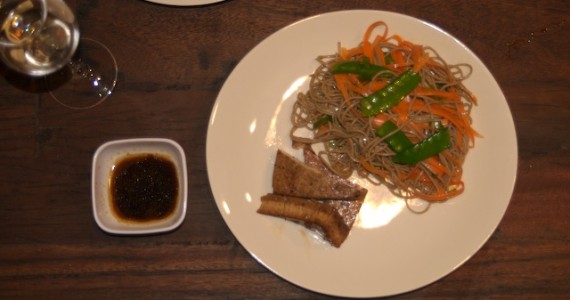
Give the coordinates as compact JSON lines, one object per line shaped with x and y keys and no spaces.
{"x":144,"y":188}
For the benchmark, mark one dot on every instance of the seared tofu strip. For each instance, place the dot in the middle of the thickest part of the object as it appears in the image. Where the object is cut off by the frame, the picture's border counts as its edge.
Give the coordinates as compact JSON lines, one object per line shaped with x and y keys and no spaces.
{"x":309,"y":212}
{"x":292,"y":177}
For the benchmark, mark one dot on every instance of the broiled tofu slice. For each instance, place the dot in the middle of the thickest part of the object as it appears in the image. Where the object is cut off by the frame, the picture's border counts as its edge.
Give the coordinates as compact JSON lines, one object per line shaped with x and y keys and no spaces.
{"x":309,"y":212}
{"x":292,"y":177}
{"x":311,"y":194}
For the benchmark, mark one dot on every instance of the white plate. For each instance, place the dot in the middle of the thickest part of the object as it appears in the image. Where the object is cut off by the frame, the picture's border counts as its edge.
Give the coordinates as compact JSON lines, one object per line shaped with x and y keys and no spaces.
{"x":185,"y":2}
{"x":390,"y":250}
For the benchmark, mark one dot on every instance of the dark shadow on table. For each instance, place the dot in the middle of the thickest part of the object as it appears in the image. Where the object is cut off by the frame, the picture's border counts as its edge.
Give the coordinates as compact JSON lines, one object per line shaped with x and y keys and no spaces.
{"x":32,"y":84}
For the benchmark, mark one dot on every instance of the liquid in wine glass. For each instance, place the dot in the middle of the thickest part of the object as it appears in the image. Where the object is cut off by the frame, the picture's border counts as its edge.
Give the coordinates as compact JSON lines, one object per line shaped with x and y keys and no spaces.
{"x":40,"y":38}
{"x":37,"y":40}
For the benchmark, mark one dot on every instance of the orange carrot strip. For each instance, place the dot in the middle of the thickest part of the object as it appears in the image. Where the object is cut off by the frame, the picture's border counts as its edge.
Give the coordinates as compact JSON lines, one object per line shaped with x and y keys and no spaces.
{"x":366,"y":46}
{"x":396,"y":37}
{"x":417,"y":52}
{"x":347,"y":54}
{"x":402,"y":111}
{"x":341,"y":85}
{"x":377,"y":40}
{"x":438,"y":93}
{"x":380,"y":55}
{"x":440,"y":195}
{"x":419,"y":105}
{"x":451,"y":116}
{"x":397,"y":56}
{"x":368,"y":167}
{"x":324,"y":128}
{"x":379,"y":119}
{"x":421,"y":62}
{"x":419,"y":57}
{"x":355,"y":85}
{"x":471,"y":133}
{"x":415,"y":174}
{"x":377,"y":85}
{"x":434,"y":165}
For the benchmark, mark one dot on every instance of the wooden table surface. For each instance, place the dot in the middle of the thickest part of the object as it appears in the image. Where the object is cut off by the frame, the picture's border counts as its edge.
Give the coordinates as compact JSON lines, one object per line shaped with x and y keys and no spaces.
{"x":173,"y":62}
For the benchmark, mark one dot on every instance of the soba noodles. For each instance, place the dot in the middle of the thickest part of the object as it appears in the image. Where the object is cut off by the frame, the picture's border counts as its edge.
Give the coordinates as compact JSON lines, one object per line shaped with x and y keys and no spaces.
{"x":349,"y":139}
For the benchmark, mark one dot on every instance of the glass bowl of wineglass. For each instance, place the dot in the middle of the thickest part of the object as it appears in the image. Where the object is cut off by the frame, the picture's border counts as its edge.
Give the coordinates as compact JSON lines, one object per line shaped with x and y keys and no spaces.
{"x":40,"y":39}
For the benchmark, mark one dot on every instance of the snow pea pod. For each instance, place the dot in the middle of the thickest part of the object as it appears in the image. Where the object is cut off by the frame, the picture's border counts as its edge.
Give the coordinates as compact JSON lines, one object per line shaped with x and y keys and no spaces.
{"x":365,"y":70}
{"x":428,"y":147}
{"x":397,"y":141}
{"x":391,"y":94}
{"x":322,"y":121}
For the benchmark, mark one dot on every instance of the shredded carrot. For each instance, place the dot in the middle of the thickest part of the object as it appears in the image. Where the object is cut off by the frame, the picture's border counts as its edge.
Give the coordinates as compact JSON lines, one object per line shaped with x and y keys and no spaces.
{"x":417,"y":52}
{"x":415,"y":174}
{"x":324,"y":128}
{"x":377,"y":85}
{"x":379,"y":119}
{"x":350,"y":82}
{"x":407,"y":44}
{"x":346,"y":54}
{"x":381,"y":57}
{"x":402,"y":111}
{"x":473,"y":97}
{"x":460,"y":123}
{"x":396,"y":37}
{"x":366,"y":165}
{"x":346,"y":83}
{"x":434,"y":165}
{"x":340,"y":82}
{"x":421,"y":62}
{"x":441,"y":194}
{"x":366,"y":45}
{"x":451,"y":109}
{"x":378,"y":52}
{"x":456,"y":179}
{"x":398,"y":57}
{"x":465,"y":117}
{"x":452,"y":95}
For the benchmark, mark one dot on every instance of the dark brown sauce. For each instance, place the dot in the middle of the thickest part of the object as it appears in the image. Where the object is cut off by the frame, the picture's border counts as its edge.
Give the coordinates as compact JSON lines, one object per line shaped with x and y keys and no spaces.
{"x":144,"y":187}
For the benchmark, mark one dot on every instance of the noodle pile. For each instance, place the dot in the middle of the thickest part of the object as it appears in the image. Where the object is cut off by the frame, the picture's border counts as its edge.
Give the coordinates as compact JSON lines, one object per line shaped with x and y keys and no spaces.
{"x":349,"y":140}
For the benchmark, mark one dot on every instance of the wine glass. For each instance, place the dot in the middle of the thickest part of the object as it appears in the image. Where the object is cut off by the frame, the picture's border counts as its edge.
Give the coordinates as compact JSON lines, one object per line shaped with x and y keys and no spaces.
{"x":40,"y":38}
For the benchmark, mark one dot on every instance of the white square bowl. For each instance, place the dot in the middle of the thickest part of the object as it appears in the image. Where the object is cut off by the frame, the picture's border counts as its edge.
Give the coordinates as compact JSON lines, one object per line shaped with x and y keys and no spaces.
{"x":106,"y":156}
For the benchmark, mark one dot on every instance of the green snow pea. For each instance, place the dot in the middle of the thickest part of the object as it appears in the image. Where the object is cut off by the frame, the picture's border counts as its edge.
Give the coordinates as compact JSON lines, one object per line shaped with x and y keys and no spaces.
{"x":397,"y":141}
{"x":428,"y":147}
{"x":391,"y":94}
{"x":365,"y":70}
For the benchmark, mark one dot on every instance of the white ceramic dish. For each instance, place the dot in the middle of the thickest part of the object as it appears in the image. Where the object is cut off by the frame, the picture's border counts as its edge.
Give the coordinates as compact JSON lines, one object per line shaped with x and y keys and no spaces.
{"x":185,"y":2}
{"x":106,"y":157}
{"x":390,"y":249}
